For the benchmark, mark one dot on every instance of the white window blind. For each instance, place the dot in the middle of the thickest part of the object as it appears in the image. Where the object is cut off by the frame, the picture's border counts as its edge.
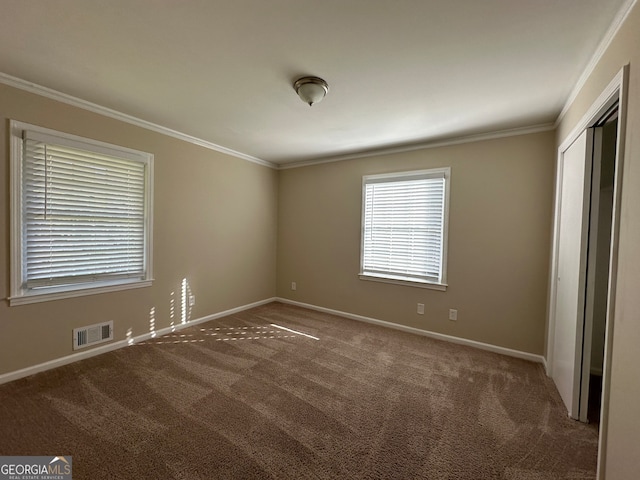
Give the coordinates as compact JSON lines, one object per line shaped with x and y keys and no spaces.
{"x":83,"y":214}
{"x":404,"y":226}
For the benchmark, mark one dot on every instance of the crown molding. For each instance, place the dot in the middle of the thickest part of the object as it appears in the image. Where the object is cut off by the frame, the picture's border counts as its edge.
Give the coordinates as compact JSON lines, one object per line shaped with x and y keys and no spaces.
{"x":424,"y":145}
{"x":107,"y":112}
{"x":604,"y":44}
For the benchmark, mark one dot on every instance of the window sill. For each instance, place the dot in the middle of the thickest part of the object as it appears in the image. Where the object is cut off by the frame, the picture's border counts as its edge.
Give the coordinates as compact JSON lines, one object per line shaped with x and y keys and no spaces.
{"x":409,"y":283}
{"x":62,"y":293}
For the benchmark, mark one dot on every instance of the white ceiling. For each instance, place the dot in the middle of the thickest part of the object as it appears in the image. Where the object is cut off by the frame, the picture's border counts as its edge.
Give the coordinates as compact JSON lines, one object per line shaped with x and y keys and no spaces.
{"x":400,"y":72}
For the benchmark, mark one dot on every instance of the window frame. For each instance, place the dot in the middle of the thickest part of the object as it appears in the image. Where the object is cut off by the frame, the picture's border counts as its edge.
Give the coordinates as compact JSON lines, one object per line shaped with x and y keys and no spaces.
{"x":19,"y":294}
{"x":444,"y":172}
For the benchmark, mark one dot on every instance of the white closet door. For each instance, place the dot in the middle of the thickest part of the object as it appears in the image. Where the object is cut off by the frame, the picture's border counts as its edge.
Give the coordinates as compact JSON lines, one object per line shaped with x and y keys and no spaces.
{"x":571,"y":270}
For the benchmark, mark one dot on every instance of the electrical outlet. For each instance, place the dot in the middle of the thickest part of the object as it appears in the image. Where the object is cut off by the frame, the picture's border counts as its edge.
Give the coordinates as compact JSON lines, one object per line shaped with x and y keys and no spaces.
{"x":453,"y":314}
{"x":421,"y":309}
{"x":192,"y":300}
{"x":293,"y":286}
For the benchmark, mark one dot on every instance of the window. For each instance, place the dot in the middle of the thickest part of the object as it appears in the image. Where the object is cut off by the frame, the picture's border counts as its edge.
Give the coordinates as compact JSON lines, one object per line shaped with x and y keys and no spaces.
{"x":404,"y":228}
{"x":81,"y":216}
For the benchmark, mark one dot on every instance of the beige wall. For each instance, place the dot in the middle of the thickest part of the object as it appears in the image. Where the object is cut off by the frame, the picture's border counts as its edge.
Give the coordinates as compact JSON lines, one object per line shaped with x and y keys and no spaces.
{"x":623,"y":434}
{"x":499,"y":237}
{"x":214,"y":225}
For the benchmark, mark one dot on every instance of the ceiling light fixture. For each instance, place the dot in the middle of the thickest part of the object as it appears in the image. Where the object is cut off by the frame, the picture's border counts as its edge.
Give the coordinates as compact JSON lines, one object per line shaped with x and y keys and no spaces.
{"x":311,"y":90}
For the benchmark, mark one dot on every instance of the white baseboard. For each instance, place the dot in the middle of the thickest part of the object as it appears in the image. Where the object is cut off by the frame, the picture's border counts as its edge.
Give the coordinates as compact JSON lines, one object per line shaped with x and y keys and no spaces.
{"x":75,"y":357}
{"x":546,"y":366}
{"x":438,"y":336}
{"x":58,"y":362}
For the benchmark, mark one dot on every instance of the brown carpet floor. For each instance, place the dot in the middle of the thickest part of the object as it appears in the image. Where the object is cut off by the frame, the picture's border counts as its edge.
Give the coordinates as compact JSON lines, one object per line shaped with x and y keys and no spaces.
{"x":238,"y":398}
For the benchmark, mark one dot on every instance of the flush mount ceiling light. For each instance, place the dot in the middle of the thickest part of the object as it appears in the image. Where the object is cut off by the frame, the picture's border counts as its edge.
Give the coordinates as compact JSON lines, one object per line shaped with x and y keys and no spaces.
{"x":311,"y":89}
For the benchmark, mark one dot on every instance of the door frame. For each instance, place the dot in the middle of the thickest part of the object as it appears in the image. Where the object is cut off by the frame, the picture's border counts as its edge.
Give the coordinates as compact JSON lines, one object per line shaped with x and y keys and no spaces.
{"x":616,"y":91}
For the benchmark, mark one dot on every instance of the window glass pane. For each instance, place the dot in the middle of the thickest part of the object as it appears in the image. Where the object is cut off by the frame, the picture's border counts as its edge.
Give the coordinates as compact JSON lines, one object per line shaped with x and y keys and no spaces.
{"x":83,"y":215}
{"x":404,"y":226}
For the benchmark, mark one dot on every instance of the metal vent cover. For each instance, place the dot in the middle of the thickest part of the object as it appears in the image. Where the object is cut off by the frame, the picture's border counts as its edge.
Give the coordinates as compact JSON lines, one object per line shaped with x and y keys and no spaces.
{"x":92,"y":334}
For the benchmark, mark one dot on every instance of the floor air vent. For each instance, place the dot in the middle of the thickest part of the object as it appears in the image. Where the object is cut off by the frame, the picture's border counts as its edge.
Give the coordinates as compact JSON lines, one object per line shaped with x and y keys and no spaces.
{"x":87,"y":336}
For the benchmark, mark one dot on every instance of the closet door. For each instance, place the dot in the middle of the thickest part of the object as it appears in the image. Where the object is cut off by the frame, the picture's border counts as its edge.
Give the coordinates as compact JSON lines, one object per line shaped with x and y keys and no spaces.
{"x":571,"y":271}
